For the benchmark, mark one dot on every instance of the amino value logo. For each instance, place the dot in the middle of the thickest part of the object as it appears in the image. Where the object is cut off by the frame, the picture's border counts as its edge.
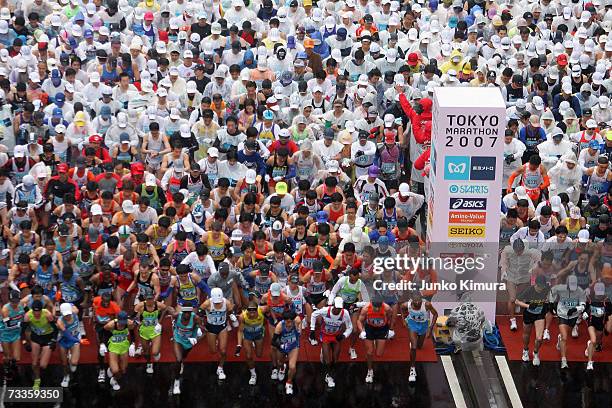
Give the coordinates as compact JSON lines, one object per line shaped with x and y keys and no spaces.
{"x":457,"y":168}
{"x":467,"y":217}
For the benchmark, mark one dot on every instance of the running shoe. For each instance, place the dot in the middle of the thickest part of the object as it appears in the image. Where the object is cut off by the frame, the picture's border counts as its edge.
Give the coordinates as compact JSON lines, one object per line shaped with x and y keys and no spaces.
{"x":114,"y":384}
{"x":101,"y":376}
{"x":564,"y":363}
{"x":109,"y":373}
{"x":536,"y":360}
{"x":138,"y":351}
{"x":149,"y":368}
{"x":220,"y":373}
{"x":253,"y":379}
{"x":274,"y":375}
{"x":66,"y":381}
{"x":182,"y":368}
{"x":546,"y":335}
{"x":289,"y":389}
{"x":304,"y":323}
{"x":36,"y":385}
{"x":525,"y":357}
{"x":513,"y":325}
{"x":370,"y":377}
{"x":176,"y":390}
{"x":103,"y":350}
{"x":589,"y":365}
{"x":412,"y":376}
{"x":575,"y":333}
{"x":313,"y":342}
{"x":329,"y":381}
{"x":281,"y":373}
{"x":391,"y":334}
{"x":558,"y":342}
{"x":586,"y":350}
{"x":82,"y":329}
{"x":353,"y":353}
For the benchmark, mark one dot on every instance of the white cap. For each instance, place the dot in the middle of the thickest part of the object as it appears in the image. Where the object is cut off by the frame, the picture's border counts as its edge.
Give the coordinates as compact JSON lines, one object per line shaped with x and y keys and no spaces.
{"x":96,"y":209}
{"x":275,"y":289}
{"x":604,"y":102}
{"x":344,"y":231}
{"x":60,"y":128}
{"x":250,"y":176}
{"x":187,"y":224}
{"x":213,"y":152}
{"x":566,"y":88}
{"x":583,"y":235}
{"x":575,"y":213}
{"x":19,"y":151}
{"x":237,"y":235}
{"x":185,"y":131}
{"x":66,"y":309}
{"x":356,"y":234}
{"x":404,"y":189}
{"x":128,"y":207}
{"x":338,"y":302}
{"x":216,"y":295}
{"x":591,"y":123}
{"x":555,"y":203}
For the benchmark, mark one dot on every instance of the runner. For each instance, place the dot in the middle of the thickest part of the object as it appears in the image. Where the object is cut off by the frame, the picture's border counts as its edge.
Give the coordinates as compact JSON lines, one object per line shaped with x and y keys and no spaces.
{"x":251,"y":332}
{"x":417,"y":315}
{"x":597,"y":316}
{"x":119,"y":346}
{"x":10,"y":333}
{"x":373,"y":325}
{"x":186,"y":334}
{"x":336,"y":325}
{"x":218,"y":309}
{"x":42,"y":338}
{"x":105,"y":311}
{"x":148,"y":314}
{"x":534,"y":300}
{"x":286,"y":346}
{"x":69,"y":341}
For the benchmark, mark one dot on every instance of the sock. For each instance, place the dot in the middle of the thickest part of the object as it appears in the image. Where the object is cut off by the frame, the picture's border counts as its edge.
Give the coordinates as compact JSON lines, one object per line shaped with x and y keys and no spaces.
{"x":73,"y":369}
{"x":252,"y":370}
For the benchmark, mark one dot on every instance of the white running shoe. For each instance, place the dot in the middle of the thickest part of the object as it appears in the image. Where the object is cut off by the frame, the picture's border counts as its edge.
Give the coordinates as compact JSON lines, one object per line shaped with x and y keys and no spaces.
{"x":109,"y":373}
{"x":281,"y":373}
{"x":253,"y":379}
{"x":138,"y":351}
{"x":313,"y":342}
{"x":149,"y":368}
{"x":575,"y":332}
{"x":176,"y":390}
{"x":103,"y":350}
{"x":391,"y":334}
{"x":586,"y":350}
{"x":546,"y":335}
{"x":274,"y":375}
{"x":114,"y":384}
{"x":352,"y":353}
{"x":101,"y":376}
{"x":525,"y":357}
{"x":330,"y":381}
{"x":370,"y":377}
{"x":289,"y":389}
{"x":82,"y":329}
{"x":589,"y":365}
{"x":564,"y":363}
{"x":513,"y":325}
{"x":413,"y":375}
{"x":66,"y":381}
{"x":182,"y":368}
{"x":558,"y":342}
{"x":536,"y":360}
{"x":220,"y":373}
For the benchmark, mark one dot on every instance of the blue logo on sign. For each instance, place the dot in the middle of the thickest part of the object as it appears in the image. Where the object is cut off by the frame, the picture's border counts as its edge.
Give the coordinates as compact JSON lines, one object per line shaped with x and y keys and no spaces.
{"x":482,"y":168}
{"x":456,"y":168}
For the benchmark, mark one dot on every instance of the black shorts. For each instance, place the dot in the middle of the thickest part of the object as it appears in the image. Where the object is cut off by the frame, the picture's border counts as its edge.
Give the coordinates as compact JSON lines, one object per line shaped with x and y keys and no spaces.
{"x":530,"y":318}
{"x":315,"y":299}
{"x":376,"y":333}
{"x":568,"y":322}
{"x":215,"y":328}
{"x":598,"y":323}
{"x":42,"y":340}
{"x":102,"y":335}
{"x":392,"y":184}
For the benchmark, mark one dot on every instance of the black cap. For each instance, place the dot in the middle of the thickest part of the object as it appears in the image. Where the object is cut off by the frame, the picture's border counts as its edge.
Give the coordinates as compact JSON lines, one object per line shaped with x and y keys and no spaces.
{"x":317,"y":266}
{"x":251,"y":145}
{"x":368,"y":18}
{"x":546,"y":210}
{"x":223,"y":267}
{"x":37,"y":306}
{"x":604,"y":219}
{"x":264,"y":269}
{"x":508,"y":132}
{"x":527,"y":15}
{"x":491,"y":75}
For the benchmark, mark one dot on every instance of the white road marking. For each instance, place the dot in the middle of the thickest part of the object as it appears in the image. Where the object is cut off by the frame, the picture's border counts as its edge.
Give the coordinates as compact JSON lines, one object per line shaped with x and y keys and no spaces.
{"x":453,"y":381}
{"x":515,"y":400}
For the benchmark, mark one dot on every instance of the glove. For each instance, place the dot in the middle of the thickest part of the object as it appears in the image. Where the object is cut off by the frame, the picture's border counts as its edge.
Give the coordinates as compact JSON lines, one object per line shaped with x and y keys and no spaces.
{"x":234,"y":320}
{"x":346,"y":162}
{"x":158,"y":328}
{"x":330,"y":302}
{"x":359,"y":153}
{"x":193,"y":341}
{"x":237,"y":352}
{"x":585,"y":316}
{"x":277,"y":178}
{"x":570,"y":190}
{"x":326,"y":293}
{"x":361,"y":304}
{"x":132,"y":350}
{"x":571,"y":311}
{"x":362,"y":335}
{"x":580,"y":309}
{"x":398,"y":121}
{"x":199,"y":333}
{"x":267,"y":178}
{"x":340,"y":337}
{"x":510,"y":159}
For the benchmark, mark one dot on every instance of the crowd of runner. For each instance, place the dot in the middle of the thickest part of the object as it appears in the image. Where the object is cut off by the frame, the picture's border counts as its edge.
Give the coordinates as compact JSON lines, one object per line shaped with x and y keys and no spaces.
{"x":237,"y":166}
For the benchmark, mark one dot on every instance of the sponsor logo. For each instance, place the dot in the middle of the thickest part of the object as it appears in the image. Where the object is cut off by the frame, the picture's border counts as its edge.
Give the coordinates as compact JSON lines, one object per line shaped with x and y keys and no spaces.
{"x":456,"y":168}
{"x":467,"y":203}
{"x":476,"y":231}
{"x":482,"y":168}
{"x":467,"y":217}
{"x":472,"y":189}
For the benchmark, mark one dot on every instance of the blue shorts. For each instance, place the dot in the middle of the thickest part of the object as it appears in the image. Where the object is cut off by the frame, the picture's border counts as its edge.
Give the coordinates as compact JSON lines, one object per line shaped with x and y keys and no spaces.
{"x":185,"y":343}
{"x":420,"y":328}
{"x":188,"y":303}
{"x":66,"y":344}
{"x":287,"y":348}
{"x":254,"y":335}
{"x":9,"y":336}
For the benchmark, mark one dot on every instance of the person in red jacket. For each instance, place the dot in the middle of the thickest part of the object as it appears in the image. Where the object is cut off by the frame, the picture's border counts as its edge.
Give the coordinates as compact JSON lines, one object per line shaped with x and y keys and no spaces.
{"x":58,"y":186}
{"x":101,"y":153}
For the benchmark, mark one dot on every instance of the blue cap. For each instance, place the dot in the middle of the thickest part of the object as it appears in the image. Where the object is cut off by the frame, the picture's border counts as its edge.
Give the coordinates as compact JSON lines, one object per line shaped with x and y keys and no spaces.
{"x":57,"y":112}
{"x":341,"y":33}
{"x":79,"y":16}
{"x":60,"y":97}
{"x":452,"y":21}
{"x":73,"y":43}
{"x":291,"y":42}
{"x":383,"y":240}
{"x":433,"y":5}
{"x":594,"y":144}
{"x":124,"y":137}
{"x":88,"y":33}
{"x":122,"y":317}
{"x":105,"y":110}
{"x":322,"y":216}
{"x":268,"y":115}
{"x":302,"y":55}
{"x":55,"y":74}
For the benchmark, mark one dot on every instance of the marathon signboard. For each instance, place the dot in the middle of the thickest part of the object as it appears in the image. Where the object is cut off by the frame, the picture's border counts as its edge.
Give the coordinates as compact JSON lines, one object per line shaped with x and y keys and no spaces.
{"x":464,"y":194}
